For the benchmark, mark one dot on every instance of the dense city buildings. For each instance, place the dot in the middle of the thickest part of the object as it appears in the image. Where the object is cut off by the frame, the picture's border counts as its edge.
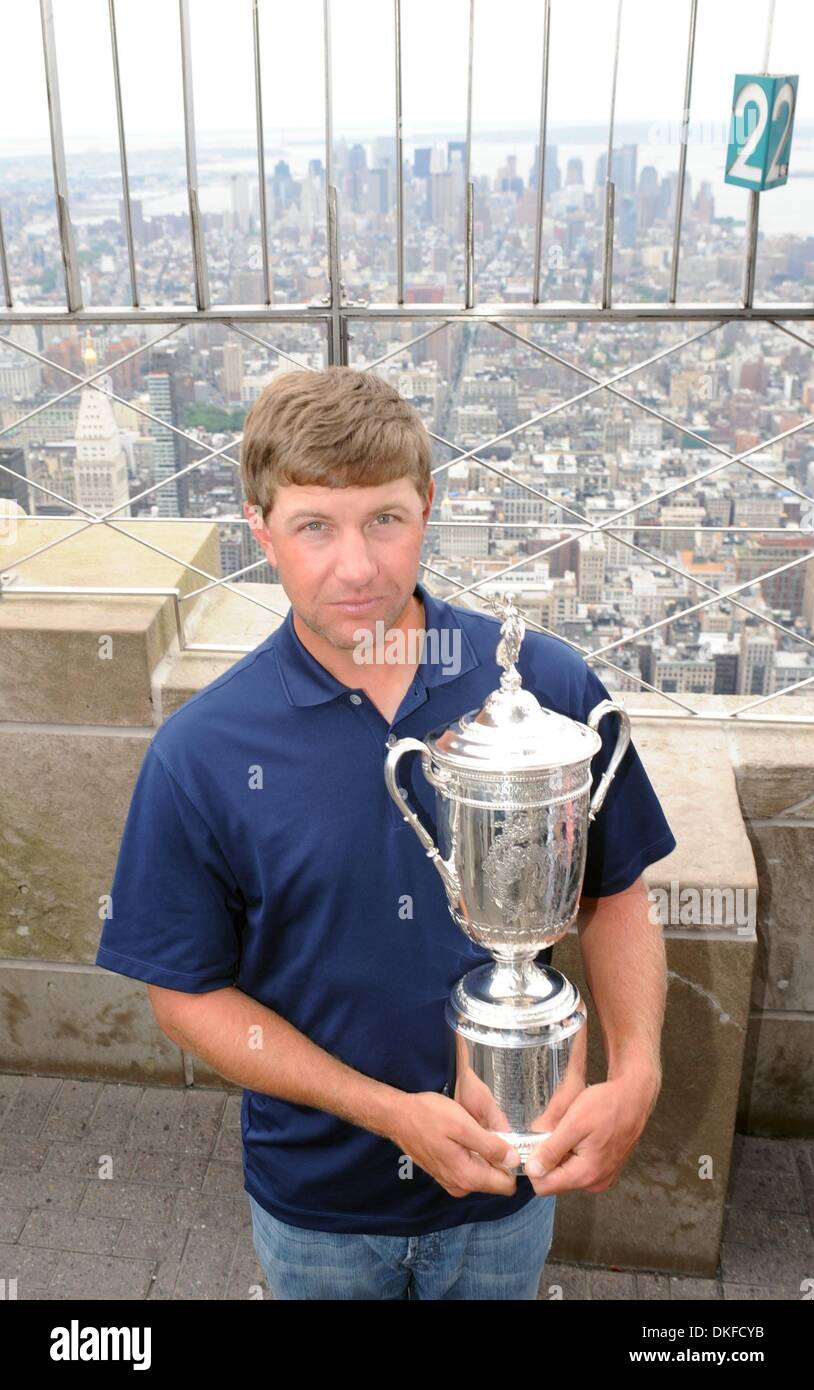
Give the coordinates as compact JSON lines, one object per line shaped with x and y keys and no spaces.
{"x":613,"y":508}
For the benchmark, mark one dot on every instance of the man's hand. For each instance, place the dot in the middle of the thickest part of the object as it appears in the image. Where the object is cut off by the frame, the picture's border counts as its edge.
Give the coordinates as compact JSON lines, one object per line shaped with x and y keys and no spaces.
{"x":449,"y":1144}
{"x":594,"y":1138}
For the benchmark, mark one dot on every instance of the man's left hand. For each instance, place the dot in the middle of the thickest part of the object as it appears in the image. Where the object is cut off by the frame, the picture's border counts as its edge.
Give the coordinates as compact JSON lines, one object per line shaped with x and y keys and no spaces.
{"x":594,"y":1138}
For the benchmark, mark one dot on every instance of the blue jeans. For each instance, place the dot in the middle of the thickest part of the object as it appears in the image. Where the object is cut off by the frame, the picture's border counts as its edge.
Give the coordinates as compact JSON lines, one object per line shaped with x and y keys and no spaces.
{"x":501,"y":1259}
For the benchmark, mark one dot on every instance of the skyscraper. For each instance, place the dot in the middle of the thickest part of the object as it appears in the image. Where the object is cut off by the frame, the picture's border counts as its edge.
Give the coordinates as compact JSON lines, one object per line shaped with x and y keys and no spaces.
{"x":101,"y":465}
{"x":165,"y":458}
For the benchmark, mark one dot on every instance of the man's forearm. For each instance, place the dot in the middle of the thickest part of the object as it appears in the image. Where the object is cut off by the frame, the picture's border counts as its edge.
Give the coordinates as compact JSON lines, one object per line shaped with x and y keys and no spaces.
{"x":250,"y":1044}
{"x":625,"y":967}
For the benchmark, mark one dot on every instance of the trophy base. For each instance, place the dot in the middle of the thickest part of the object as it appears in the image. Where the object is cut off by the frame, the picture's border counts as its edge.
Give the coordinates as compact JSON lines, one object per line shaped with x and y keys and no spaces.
{"x":513,"y":1050}
{"x":525,"y":1145}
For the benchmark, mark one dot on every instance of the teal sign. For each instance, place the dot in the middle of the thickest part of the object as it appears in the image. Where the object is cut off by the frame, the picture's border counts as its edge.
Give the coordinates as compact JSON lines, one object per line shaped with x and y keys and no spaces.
{"x":760,"y":131}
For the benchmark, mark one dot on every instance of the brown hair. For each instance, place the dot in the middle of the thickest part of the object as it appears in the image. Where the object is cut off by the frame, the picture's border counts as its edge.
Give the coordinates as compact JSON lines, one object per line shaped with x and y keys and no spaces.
{"x":333,"y":428}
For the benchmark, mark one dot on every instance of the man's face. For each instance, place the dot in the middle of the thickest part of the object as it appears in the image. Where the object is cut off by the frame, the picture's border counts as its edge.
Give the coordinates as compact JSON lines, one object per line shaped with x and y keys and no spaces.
{"x":347,"y":557}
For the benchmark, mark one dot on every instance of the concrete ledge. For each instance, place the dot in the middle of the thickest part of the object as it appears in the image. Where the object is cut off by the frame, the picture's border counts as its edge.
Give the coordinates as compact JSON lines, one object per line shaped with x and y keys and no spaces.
{"x":74,"y":659}
{"x":84,"y":1023}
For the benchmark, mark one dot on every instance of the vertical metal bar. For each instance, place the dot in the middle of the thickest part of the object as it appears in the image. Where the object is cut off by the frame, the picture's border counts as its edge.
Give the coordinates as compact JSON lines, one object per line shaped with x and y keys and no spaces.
{"x":261,"y":153}
{"x":128,"y":219}
{"x":70,"y":261}
{"x":538,"y":235}
{"x":4,"y":267}
{"x":399,"y":162}
{"x":751,"y":249}
{"x":682,"y":157}
{"x":753,"y":208}
{"x":607,"y":248}
{"x":338,"y":338}
{"x":767,"y":47}
{"x":198,"y":246}
{"x":469,"y":237}
{"x":607,"y":245}
{"x":469,"y":215}
{"x":335,"y":342}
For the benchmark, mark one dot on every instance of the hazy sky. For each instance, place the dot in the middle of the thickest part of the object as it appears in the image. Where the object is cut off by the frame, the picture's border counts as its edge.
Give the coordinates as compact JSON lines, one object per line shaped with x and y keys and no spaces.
{"x":731,"y":36}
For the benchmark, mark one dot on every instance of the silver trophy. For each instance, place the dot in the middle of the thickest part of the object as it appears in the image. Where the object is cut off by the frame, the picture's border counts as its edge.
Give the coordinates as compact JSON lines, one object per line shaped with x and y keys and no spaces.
{"x":513,"y":808}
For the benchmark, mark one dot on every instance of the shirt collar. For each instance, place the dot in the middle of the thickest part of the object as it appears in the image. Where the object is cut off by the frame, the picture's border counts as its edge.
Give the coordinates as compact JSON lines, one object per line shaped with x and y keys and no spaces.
{"x":306,"y":681}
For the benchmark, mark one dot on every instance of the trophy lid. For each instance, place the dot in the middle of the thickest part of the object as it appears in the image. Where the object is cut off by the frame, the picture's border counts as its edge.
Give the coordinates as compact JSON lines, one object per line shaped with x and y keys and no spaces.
{"x":512,"y":731}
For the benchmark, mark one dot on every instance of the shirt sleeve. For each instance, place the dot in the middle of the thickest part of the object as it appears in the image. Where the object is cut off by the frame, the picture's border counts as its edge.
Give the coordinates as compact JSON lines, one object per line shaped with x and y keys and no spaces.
{"x":176,"y":911}
{"x":631,"y":830}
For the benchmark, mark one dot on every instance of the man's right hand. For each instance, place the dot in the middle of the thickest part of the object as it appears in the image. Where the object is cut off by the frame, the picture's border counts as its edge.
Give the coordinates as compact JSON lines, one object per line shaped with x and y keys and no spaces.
{"x":442,"y":1138}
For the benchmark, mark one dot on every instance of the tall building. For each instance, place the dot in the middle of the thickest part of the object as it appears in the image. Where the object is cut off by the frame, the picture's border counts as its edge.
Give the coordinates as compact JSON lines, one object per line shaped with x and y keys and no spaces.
{"x":240,"y":200}
{"x":165,"y":453}
{"x":573,"y":171}
{"x":552,"y":179}
{"x":232,"y":370}
{"x":11,"y":487}
{"x":756,"y":660}
{"x":101,"y":464}
{"x":422,"y":160}
{"x":591,"y":568}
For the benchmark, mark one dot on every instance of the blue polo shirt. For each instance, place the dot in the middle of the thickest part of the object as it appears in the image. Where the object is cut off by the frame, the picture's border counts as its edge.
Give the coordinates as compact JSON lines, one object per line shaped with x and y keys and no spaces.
{"x":262,"y":850}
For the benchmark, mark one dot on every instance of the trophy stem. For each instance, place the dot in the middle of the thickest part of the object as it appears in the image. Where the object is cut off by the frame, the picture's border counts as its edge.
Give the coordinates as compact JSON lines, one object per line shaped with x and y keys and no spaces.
{"x":518,"y":979}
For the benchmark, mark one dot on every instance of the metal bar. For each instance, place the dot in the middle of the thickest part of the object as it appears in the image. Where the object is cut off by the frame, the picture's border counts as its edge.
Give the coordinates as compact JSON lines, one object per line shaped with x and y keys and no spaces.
{"x":572,"y":312}
{"x":89,"y":381}
{"x":264,"y":342}
{"x":469,"y":247}
{"x":570,"y":529}
{"x":709,"y":444}
{"x":329,"y":132}
{"x":261,"y":151}
{"x":785,"y":329}
{"x":399,"y":161}
{"x":574,"y":527}
{"x":580,"y":396}
{"x":79,"y":381}
{"x":128,"y":217}
{"x":577,"y":647}
{"x":577,"y":527}
{"x":775,"y":695}
{"x":67,"y":242}
{"x":469,"y":215}
{"x":542,"y":137}
{"x":607,"y":245}
{"x":682,"y":157}
{"x":656,"y":497}
{"x":712,"y":718}
{"x":767,"y":46}
{"x":187,"y":564}
{"x":610,"y":191}
{"x":196,"y":227}
{"x":752,"y":214}
{"x":337,"y":340}
{"x":9,"y":302}
{"x":720,"y":597}
{"x":394,"y":352}
{"x":753,"y":206}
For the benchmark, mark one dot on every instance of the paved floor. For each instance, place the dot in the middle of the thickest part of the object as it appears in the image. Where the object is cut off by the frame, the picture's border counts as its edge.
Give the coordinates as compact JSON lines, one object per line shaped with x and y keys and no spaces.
{"x":171,"y":1219}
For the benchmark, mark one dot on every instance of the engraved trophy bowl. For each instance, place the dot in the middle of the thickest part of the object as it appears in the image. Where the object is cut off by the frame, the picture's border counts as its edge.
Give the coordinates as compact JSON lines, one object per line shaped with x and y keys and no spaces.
{"x":513,"y":808}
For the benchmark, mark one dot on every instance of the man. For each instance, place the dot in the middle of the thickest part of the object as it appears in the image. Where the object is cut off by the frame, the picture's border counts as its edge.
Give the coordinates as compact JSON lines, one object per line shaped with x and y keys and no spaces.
{"x":293,"y":933}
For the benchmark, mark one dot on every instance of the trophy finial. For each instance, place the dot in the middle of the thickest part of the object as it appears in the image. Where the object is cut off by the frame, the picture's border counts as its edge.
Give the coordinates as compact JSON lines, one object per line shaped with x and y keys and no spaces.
{"x":512,"y":630}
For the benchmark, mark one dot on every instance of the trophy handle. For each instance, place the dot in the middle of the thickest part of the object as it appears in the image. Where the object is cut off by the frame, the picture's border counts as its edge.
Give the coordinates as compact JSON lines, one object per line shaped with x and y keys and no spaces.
{"x":444,"y":867}
{"x":622,"y":740}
